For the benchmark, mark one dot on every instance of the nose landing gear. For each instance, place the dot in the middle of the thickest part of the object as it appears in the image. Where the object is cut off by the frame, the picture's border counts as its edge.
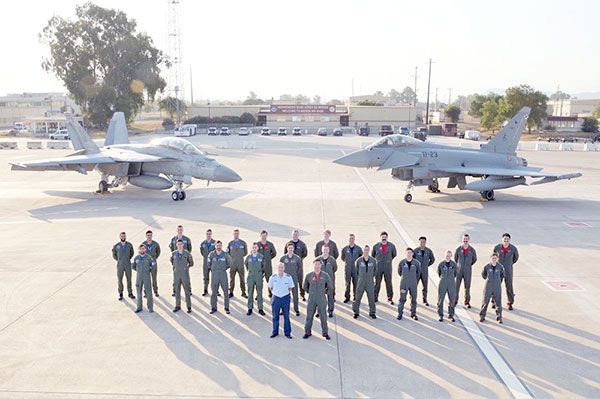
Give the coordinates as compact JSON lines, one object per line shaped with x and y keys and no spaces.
{"x":408,"y":196}
{"x":178,"y":194}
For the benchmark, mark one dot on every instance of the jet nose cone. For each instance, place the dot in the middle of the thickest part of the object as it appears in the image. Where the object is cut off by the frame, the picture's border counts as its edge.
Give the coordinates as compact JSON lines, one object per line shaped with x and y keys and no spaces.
{"x":358,"y":159}
{"x":225,"y":174}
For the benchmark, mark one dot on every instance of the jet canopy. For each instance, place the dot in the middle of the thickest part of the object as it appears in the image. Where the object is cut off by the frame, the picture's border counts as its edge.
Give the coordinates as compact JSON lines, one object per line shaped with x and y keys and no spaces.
{"x":393,"y":140}
{"x":177,"y":144}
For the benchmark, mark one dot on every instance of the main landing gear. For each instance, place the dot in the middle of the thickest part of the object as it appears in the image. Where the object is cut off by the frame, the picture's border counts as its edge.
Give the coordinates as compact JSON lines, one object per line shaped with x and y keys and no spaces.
{"x":435,"y":187}
{"x":487,"y":195}
{"x":178,"y":194}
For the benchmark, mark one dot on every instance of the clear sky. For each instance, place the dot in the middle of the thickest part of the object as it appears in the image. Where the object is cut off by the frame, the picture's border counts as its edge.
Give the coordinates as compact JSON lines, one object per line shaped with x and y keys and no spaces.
{"x":319,"y":47}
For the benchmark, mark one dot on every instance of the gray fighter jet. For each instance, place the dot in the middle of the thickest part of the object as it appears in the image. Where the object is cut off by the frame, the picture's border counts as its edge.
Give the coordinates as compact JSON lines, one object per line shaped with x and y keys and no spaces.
{"x":495,"y":164}
{"x":161,"y":164}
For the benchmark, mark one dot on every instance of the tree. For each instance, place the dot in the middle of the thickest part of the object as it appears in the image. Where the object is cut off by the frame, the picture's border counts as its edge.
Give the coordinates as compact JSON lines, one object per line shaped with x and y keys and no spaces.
{"x":103,"y":62}
{"x":597,"y":112}
{"x":169,"y":105}
{"x":395,"y":95}
{"x":301,"y":99}
{"x":408,"y":96}
{"x":490,"y":117}
{"x":378,"y":93}
{"x":521,"y":96}
{"x":168,"y":123}
{"x":452,"y":111}
{"x":589,"y":125}
{"x":317,"y":99}
{"x":369,"y":103}
{"x":476,"y":102}
{"x":559,"y":95}
{"x":335,"y":101}
{"x":253,"y":99}
{"x":248,"y":118}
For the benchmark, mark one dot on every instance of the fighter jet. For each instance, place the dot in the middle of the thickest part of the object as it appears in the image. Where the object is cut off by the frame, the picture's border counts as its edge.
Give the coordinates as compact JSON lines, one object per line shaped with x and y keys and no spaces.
{"x":161,"y":164}
{"x":495,"y":164}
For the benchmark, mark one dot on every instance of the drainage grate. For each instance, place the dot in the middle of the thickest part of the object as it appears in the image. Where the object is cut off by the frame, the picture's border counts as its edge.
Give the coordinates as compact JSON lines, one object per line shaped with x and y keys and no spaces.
{"x":577,"y":224}
{"x":563,"y":286}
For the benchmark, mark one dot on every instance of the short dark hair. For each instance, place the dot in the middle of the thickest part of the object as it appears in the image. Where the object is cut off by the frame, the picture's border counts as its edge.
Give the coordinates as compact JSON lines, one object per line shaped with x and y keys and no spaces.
{"x":351,"y":235}
{"x":382,"y":233}
{"x":422,"y":238}
{"x":316,"y":261}
{"x":181,"y":241}
{"x":149,"y":232}
{"x":141,"y":245}
{"x":236,"y":230}
{"x":466,"y":235}
{"x":506,"y":235}
{"x":494,"y":254}
{"x":264,"y":232}
{"x":218,"y":242}
{"x":122,"y":233}
{"x":409,"y":249}
{"x":289,"y":243}
{"x":180,"y":226}
{"x":208,"y":230}
{"x":367,"y":246}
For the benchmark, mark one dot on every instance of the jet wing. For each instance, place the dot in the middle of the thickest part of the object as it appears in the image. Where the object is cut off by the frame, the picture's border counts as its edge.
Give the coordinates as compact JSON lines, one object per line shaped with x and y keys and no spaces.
{"x":508,"y":172}
{"x":123,"y":155}
{"x":64,"y":163}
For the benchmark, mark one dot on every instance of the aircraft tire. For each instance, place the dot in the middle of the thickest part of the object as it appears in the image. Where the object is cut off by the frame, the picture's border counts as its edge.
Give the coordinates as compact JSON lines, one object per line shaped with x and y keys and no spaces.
{"x":103,"y":186}
{"x":182,"y":195}
{"x":175,"y":196}
{"x":408,"y":197}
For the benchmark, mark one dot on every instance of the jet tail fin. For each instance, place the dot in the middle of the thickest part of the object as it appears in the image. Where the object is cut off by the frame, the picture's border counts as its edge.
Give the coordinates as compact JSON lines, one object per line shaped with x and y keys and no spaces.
{"x":507,"y":139}
{"x":117,"y":130}
{"x":79,"y":137}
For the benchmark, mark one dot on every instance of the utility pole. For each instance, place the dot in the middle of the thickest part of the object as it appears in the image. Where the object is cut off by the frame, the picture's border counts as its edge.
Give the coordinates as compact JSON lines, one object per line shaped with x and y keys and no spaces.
{"x":352,"y":86}
{"x":449,"y":95}
{"x":191,"y":88}
{"x":436,"y":100}
{"x":428,"y":86}
{"x":413,"y":102}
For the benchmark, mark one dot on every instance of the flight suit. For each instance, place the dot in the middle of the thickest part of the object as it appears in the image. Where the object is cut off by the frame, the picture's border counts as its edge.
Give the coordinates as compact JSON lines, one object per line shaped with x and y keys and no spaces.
{"x":255,"y":267}
{"x":317,"y":288}
{"x":333,"y":249}
{"x":508,"y":259}
{"x":301,"y":250}
{"x":122,"y":253}
{"x":237,"y":249}
{"x":143,"y":266}
{"x":329,"y":266}
{"x":349,"y":257}
{"x":206,"y":247}
{"x":153,"y":249}
{"x":218,"y":265}
{"x":426,"y":258}
{"x":187,"y":245}
{"x":447,"y":286}
{"x":493,"y":276}
{"x":269,"y":252}
{"x":408,"y":284}
{"x":366,"y":282}
{"x":464,"y":263}
{"x":181,"y":276}
{"x":293,"y":267}
{"x":384,"y":267}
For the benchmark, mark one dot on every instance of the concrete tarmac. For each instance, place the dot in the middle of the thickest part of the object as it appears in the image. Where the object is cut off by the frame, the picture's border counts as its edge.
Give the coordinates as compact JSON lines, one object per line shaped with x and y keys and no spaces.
{"x":64,"y":334}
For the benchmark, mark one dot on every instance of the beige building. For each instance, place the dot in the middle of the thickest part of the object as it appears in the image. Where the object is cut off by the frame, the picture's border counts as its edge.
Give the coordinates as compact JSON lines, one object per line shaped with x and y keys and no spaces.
{"x":27,"y":107}
{"x":572,"y":107}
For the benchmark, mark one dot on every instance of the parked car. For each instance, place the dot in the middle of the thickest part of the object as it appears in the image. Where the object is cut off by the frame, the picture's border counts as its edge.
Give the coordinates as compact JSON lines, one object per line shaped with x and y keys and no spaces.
{"x":596,"y":139}
{"x":472,"y":135}
{"x":265,"y":131}
{"x":569,"y":139}
{"x":364,"y":131}
{"x":185,"y":130}
{"x":224,"y":131}
{"x":338,"y":132}
{"x":321,"y":131}
{"x":403,"y":130}
{"x":212,"y":131}
{"x":386,"y":130}
{"x":60,"y":134}
{"x":282,"y":131}
{"x":420,"y":134}
{"x":460,"y":134}
{"x":296,"y":131}
{"x":243,"y":131}
{"x":13,"y":132}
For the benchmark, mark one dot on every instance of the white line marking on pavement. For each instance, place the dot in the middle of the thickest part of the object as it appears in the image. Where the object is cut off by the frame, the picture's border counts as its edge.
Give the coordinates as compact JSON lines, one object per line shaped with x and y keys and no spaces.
{"x":500,"y":366}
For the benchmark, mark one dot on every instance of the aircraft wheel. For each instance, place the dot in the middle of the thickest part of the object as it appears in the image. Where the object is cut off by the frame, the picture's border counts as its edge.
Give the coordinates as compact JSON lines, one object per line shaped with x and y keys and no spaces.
{"x":182,"y":195}
{"x":103,"y":186}
{"x":488,"y":195}
{"x":408,"y":197}
{"x":175,"y":196}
